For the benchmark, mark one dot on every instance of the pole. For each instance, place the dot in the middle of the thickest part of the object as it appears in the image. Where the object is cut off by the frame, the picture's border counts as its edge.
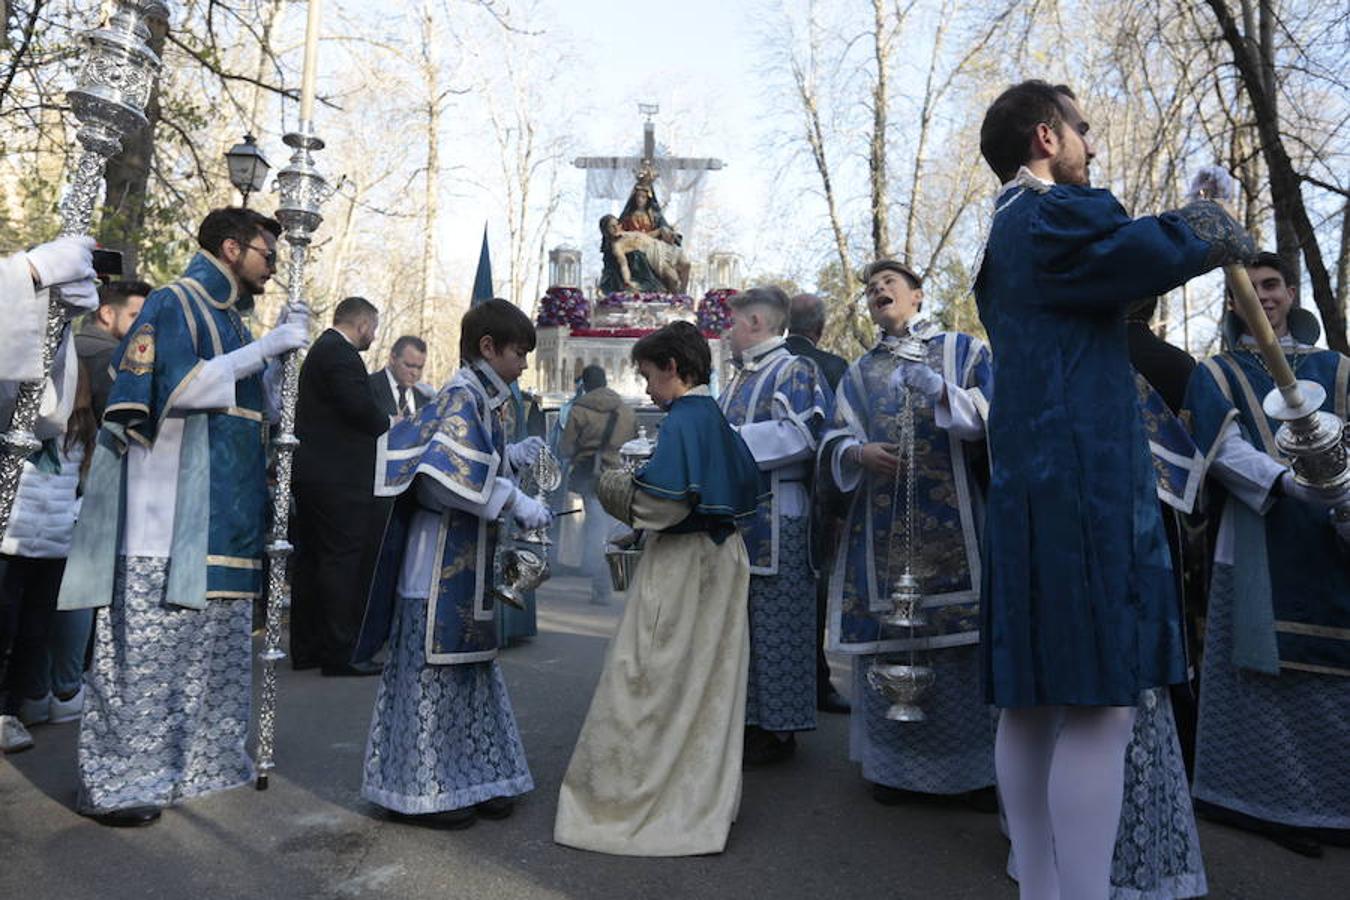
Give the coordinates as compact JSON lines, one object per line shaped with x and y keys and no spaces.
{"x":109,"y":100}
{"x":303,"y":191}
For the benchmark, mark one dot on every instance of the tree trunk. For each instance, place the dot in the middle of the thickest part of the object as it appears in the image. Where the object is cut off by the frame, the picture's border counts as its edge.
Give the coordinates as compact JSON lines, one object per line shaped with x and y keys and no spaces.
{"x":1285,"y":184}
{"x":127,"y":177}
{"x":426,"y":322}
{"x":876,"y":156}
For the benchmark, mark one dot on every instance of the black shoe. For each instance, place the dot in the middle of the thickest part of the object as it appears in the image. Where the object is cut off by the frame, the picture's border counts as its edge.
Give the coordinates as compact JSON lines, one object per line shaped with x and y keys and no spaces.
{"x":985,"y":800}
{"x":450,"y":820}
{"x":1295,"y":840}
{"x":1334,"y":837}
{"x":831,"y":701}
{"x":132,"y":817}
{"x":352,"y":670}
{"x":496,"y":808}
{"x":891,"y":796}
{"x":764,"y":748}
{"x":299,"y":666}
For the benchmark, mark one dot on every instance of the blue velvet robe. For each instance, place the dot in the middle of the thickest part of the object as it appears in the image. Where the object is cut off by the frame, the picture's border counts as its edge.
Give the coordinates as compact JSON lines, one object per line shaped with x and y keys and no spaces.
{"x":1294,"y":587}
{"x":458,"y":440}
{"x":221,"y":514}
{"x":1079,"y":603}
{"x":948,"y":507}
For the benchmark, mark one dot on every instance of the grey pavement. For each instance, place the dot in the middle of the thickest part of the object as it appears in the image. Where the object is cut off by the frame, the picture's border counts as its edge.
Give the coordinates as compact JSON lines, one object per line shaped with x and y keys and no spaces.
{"x":807,"y":828}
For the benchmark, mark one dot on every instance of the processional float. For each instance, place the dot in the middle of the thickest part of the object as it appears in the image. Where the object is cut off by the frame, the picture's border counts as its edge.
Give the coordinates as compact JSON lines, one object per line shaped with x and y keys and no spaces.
{"x":109,"y":100}
{"x":303,"y":192}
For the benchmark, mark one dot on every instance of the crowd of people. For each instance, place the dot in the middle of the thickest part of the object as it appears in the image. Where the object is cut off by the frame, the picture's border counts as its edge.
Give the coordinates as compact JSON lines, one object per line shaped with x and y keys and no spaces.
{"x":1040,"y":490}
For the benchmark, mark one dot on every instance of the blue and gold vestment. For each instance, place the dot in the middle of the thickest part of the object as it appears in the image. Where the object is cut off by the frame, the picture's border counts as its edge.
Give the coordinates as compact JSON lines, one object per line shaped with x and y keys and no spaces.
{"x":948,"y":505}
{"x":219,"y":520}
{"x":457,"y":440}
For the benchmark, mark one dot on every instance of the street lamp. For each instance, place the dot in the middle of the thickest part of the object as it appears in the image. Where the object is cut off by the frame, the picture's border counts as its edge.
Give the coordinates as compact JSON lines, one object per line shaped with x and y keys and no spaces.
{"x":248,"y":167}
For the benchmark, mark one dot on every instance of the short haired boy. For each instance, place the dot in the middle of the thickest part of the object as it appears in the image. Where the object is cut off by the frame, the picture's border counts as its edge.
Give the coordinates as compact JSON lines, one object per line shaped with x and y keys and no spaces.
{"x":780,"y":404}
{"x":432,"y":599}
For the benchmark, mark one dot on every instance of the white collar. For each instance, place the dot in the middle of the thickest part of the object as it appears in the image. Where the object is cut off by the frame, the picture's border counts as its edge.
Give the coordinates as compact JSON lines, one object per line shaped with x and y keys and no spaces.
{"x":491,"y":383}
{"x":344,"y":337}
{"x":1025,"y":178}
{"x":701,"y":390}
{"x":754,"y":357}
{"x":1288,"y":342}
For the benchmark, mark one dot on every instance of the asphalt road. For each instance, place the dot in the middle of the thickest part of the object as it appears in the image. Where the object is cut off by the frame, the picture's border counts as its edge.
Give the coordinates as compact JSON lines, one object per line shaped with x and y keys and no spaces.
{"x":807,"y":828}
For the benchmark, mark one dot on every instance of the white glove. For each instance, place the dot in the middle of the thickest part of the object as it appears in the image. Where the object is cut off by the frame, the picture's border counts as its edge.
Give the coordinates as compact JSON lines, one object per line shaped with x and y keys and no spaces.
{"x":294,"y":335}
{"x":63,"y":260}
{"x":77,"y":296}
{"x":1322,"y":501}
{"x":919,"y":378}
{"x":529,"y":512}
{"x":287,"y":313}
{"x":521,"y":455}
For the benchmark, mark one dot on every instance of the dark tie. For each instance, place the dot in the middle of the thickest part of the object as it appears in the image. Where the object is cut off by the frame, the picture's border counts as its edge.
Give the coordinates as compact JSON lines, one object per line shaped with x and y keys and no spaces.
{"x":402,"y":399}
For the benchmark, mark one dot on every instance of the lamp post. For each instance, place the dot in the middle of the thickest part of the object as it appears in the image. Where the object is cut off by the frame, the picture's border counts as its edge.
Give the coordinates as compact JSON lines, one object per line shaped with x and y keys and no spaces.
{"x":248,"y":167}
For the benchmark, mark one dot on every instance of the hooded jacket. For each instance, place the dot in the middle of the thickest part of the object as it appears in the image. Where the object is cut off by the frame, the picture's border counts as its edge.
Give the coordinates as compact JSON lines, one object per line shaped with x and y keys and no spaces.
{"x":586,"y":426}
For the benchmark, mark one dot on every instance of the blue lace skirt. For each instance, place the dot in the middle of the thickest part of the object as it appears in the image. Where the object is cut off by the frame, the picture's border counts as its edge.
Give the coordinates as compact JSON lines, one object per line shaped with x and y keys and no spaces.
{"x":1273,"y":747}
{"x":950,"y":753}
{"x":781,"y":688}
{"x":442,"y":737}
{"x":167,"y":698}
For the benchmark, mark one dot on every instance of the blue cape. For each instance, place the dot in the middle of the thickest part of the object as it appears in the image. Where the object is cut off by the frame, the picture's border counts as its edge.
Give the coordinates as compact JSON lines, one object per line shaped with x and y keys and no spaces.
{"x":700,"y":459}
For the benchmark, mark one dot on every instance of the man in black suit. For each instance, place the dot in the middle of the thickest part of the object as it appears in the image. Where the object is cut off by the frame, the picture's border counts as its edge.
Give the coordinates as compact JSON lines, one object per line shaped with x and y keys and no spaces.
{"x":395,"y":386}
{"x":1168,"y":369}
{"x":337,"y":421}
{"x":806,"y":324}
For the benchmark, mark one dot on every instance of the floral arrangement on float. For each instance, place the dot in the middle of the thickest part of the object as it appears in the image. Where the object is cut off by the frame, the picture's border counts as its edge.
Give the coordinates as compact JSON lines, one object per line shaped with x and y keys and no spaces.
{"x":564,"y":306}
{"x":714,"y":314}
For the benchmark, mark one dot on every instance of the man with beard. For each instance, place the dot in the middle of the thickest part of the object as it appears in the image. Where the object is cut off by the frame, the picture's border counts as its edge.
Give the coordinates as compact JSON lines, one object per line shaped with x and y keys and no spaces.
{"x":337,"y":420}
{"x":1079,"y":606}
{"x":179,"y":472}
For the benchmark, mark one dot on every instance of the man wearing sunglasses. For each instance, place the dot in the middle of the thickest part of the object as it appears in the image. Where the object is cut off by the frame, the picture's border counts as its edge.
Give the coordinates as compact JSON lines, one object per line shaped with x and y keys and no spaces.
{"x":179,"y":473}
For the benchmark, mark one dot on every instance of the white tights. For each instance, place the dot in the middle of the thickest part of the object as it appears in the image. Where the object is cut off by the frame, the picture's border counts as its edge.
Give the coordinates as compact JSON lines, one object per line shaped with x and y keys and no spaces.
{"x":1061,"y":775}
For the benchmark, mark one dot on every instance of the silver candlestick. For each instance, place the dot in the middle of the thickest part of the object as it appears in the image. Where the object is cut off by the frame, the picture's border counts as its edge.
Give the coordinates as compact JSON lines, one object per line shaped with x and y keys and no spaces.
{"x":303,"y":191}
{"x":109,"y":100}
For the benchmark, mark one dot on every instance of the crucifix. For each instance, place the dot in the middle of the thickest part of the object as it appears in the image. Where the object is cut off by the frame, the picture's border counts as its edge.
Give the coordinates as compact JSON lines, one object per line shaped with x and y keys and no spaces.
{"x":646,"y":164}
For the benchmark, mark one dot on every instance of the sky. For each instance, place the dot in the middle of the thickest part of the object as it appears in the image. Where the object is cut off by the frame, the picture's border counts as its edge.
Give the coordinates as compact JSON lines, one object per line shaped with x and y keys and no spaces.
{"x":695,"y":60}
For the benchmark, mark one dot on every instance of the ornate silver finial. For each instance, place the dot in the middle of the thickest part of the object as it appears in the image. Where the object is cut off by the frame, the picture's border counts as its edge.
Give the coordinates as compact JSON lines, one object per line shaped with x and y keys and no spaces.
{"x":109,"y":99}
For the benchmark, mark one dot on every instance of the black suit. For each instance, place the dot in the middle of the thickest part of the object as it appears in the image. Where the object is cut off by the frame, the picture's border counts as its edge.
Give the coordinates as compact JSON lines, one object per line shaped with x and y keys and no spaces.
{"x":337,"y":422}
{"x":384,"y":394}
{"x":1168,"y":369}
{"x":832,"y":366}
